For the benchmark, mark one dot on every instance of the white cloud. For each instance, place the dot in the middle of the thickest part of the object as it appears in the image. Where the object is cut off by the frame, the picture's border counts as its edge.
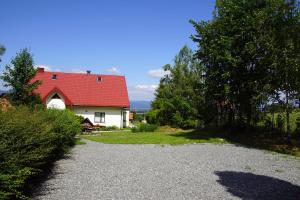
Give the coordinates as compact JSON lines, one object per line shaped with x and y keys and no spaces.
{"x":76,"y":70}
{"x":151,"y":88}
{"x":113,"y":70}
{"x":48,"y":68}
{"x":158,"y":73}
{"x":142,"y":92}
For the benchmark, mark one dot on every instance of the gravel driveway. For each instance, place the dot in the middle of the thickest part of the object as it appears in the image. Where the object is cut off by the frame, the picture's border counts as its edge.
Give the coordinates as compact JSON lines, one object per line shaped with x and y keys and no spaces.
{"x":198,"y":171}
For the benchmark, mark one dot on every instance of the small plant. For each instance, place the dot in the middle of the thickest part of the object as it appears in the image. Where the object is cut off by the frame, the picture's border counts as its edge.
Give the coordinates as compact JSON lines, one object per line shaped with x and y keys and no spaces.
{"x":144,"y":128}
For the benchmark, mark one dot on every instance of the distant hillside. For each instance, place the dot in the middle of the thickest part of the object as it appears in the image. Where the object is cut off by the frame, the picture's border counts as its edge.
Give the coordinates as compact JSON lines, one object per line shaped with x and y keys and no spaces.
{"x":140,"y":105}
{"x":3,"y":91}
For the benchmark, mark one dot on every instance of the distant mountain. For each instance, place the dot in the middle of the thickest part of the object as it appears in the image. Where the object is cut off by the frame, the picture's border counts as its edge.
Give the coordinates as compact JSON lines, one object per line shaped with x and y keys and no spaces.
{"x":140,"y":105}
{"x":3,"y":91}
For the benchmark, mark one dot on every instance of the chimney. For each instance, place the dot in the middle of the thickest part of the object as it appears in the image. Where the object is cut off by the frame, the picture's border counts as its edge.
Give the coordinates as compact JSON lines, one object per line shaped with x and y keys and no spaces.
{"x":40,"y":69}
{"x":88,"y":72}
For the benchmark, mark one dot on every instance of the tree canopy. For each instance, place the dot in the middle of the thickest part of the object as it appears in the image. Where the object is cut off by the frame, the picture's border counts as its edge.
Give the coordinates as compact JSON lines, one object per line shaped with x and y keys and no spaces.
{"x":178,"y":96}
{"x":2,"y":51}
{"x":18,"y":75}
{"x":247,"y":55}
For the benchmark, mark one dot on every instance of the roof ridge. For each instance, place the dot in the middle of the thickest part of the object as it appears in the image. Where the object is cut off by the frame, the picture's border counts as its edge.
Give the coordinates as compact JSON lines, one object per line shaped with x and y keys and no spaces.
{"x":84,"y":74}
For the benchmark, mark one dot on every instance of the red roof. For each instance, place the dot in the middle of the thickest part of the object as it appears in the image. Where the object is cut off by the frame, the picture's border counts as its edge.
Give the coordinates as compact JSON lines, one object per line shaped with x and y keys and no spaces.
{"x":84,"y":89}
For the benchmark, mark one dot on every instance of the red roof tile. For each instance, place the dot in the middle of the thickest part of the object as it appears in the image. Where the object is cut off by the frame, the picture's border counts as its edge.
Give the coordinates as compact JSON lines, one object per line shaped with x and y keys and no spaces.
{"x":84,"y":89}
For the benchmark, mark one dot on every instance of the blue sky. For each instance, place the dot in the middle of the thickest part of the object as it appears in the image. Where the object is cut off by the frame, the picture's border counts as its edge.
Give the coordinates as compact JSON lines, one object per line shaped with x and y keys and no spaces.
{"x":134,"y":38}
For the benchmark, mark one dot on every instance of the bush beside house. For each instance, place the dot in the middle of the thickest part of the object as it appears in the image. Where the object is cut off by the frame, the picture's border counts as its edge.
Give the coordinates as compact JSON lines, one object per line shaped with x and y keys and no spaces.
{"x":144,"y":128}
{"x":30,"y":140}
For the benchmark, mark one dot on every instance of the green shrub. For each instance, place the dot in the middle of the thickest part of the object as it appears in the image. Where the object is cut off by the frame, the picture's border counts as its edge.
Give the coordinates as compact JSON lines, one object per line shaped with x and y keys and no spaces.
{"x":152,"y":116}
{"x":192,"y":123}
{"x":144,"y":128}
{"x":80,"y":118}
{"x":297,"y":126}
{"x":109,"y":128}
{"x":280,"y":122}
{"x":30,"y":139}
{"x":268,"y":125}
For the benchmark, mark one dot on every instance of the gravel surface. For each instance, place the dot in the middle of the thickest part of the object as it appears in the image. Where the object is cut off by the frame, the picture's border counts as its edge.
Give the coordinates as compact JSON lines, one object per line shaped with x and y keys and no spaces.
{"x":196,"y":171}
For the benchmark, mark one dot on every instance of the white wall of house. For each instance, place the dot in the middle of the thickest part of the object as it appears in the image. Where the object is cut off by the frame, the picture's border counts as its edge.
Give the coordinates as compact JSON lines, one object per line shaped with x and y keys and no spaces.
{"x":56,"y":103}
{"x":113,"y":116}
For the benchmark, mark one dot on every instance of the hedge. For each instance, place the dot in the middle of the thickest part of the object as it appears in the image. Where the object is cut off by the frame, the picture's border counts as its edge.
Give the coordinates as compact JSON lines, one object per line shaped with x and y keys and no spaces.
{"x":144,"y":128}
{"x":30,"y":140}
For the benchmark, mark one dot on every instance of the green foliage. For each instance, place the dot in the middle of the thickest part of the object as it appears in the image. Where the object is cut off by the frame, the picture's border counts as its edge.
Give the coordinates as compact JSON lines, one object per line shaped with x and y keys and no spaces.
{"x":157,"y":137}
{"x":275,"y":108}
{"x":293,"y":119}
{"x":109,"y":128}
{"x":18,"y":76}
{"x":280,"y":122}
{"x":250,"y":51}
{"x":80,"y":118}
{"x":179,"y":97}
{"x":2,"y":50}
{"x":297,"y":126}
{"x":30,"y":140}
{"x":138,"y":117}
{"x":152,"y":116}
{"x":144,"y":128}
{"x":78,"y":141}
{"x":268,"y":124}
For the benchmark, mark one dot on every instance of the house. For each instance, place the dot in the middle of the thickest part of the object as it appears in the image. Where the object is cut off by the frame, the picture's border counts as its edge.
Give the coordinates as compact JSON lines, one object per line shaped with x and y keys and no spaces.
{"x":102,"y":99}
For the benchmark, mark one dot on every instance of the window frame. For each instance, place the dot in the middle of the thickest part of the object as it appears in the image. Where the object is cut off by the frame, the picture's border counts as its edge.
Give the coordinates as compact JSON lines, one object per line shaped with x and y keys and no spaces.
{"x":54,"y":77}
{"x":55,"y":96}
{"x":101,"y":117}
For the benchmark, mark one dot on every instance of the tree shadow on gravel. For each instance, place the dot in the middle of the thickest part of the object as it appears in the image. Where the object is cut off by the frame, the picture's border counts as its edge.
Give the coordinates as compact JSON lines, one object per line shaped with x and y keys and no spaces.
{"x":34,"y":187}
{"x":200,"y":135}
{"x":251,"y":140}
{"x":251,"y":186}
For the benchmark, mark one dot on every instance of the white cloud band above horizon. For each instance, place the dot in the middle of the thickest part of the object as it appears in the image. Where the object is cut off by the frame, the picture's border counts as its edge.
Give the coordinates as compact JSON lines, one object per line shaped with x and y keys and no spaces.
{"x":113,"y":70}
{"x":48,"y":68}
{"x":158,"y":73}
{"x":142,"y":92}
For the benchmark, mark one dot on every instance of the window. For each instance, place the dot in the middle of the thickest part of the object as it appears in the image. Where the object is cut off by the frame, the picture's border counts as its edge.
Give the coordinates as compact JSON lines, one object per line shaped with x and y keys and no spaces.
{"x":55,"y":96}
{"x":54,"y":76}
{"x":99,"y":117}
{"x":99,"y":78}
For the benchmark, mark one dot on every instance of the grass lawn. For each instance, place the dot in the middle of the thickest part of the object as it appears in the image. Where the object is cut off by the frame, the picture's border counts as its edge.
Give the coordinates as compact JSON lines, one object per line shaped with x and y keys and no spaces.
{"x":177,"y":137}
{"x":159,"y":137}
{"x":78,"y":141}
